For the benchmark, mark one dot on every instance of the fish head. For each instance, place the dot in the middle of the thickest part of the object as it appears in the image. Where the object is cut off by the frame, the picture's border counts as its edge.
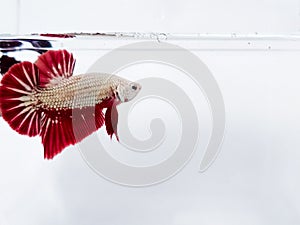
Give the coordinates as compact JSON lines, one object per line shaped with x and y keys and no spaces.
{"x":127,"y":91}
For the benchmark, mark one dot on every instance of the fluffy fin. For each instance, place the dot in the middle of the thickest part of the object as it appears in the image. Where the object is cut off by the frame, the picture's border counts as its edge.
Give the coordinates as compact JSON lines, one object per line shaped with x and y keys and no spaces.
{"x":54,"y":66}
{"x":17,"y":101}
{"x":68,"y":127}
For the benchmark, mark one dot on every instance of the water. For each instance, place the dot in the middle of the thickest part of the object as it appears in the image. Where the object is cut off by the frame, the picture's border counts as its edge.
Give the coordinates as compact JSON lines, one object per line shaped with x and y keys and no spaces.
{"x":212,"y":138}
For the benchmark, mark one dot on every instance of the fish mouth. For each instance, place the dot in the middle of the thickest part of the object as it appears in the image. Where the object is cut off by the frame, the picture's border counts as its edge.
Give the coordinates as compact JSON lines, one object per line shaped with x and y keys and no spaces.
{"x":119,"y":98}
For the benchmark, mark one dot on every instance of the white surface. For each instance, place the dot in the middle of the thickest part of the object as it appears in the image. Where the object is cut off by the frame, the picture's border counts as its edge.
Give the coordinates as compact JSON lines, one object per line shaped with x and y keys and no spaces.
{"x":254,"y":181}
{"x":196,"y":16}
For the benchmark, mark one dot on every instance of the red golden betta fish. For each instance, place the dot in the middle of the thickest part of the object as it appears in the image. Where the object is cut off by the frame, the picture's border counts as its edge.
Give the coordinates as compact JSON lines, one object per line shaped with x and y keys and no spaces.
{"x":43,"y":98}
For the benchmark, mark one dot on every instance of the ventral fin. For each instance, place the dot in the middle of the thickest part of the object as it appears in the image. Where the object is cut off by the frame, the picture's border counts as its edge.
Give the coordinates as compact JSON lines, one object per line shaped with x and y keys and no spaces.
{"x":111,"y":121}
{"x":54,"y":66}
{"x":68,"y":127}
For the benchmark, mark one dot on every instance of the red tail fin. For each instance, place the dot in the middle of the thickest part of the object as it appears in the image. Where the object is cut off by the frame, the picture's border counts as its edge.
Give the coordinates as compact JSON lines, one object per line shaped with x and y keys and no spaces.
{"x":17,"y":101}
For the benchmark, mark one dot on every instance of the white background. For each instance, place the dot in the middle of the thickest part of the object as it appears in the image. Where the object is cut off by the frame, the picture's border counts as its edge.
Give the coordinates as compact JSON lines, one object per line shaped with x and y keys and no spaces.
{"x":196,"y":16}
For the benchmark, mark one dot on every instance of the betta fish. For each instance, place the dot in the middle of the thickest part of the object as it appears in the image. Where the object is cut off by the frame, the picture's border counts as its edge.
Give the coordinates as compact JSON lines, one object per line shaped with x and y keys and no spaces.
{"x":43,"y":98}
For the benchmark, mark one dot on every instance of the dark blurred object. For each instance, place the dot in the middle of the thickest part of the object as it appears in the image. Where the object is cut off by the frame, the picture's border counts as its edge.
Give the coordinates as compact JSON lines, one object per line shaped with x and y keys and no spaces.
{"x":6,"y":62}
{"x":19,"y":45}
{"x":5,"y":44}
{"x":11,"y":45}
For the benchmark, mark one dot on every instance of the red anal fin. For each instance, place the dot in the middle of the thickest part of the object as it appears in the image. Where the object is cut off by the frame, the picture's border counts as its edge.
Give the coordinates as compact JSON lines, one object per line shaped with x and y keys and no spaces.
{"x":86,"y":121}
{"x":68,"y":127}
{"x":54,"y":66}
{"x":111,"y":121}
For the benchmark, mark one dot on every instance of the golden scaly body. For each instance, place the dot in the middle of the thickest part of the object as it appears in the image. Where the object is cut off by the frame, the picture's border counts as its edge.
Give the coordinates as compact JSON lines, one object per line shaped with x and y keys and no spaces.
{"x":78,"y":91}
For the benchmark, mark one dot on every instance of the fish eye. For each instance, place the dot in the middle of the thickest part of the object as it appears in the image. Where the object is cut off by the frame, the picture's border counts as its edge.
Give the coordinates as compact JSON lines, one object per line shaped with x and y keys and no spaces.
{"x":134,"y":87}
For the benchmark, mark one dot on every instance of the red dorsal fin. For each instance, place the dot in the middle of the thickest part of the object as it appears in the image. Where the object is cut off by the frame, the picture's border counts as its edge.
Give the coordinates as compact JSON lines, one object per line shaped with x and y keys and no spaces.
{"x":68,"y":127}
{"x":55,"y":65}
{"x":17,"y":101}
